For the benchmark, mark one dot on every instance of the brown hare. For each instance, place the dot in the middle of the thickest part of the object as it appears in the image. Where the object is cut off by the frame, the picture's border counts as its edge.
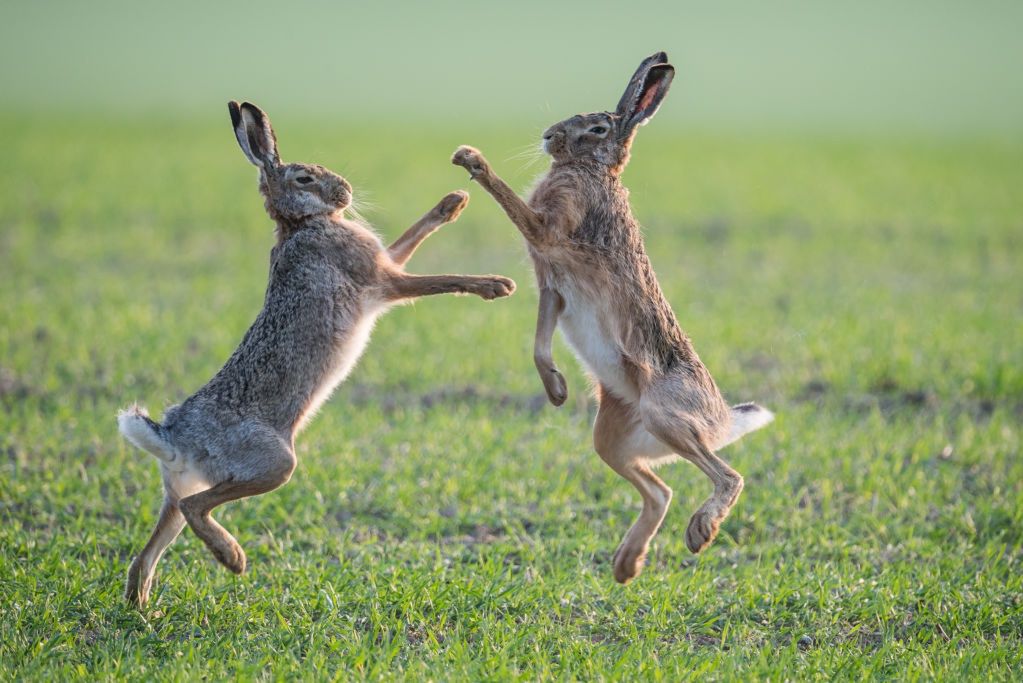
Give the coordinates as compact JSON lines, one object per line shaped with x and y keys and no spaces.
{"x":330,"y":278}
{"x":657,"y":400}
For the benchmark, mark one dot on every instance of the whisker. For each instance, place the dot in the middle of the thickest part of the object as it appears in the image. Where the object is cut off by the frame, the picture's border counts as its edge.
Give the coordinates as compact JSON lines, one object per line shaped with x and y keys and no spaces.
{"x":364,"y":204}
{"x":530,"y":154}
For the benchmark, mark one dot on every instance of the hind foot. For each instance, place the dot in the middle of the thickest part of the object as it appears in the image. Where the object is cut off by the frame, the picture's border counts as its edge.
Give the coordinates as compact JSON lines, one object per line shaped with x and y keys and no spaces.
{"x":628,"y":562}
{"x":703,"y":528}
{"x":136,"y":591}
{"x":230,"y":554}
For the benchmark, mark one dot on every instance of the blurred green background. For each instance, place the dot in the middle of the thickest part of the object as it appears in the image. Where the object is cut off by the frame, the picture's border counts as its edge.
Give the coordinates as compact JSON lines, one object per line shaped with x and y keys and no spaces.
{"x":831,"y":196}
{"x":880,"y":66}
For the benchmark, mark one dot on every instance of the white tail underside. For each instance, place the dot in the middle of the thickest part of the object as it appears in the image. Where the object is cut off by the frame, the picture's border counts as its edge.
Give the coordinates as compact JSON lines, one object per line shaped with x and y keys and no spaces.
{"x":135,"y":427}
{"x":746,"y":417}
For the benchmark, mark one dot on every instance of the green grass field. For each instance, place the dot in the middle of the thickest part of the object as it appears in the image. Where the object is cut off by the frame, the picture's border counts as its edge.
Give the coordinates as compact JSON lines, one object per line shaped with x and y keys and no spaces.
{"x":445,"y":523}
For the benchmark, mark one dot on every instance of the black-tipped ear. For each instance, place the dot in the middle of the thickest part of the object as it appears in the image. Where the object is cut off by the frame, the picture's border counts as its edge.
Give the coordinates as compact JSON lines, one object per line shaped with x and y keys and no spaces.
{"x":239,"y":131}
{"x":255,"y":134}
{"x":636,"y":82}
{"x":235,"y":112}
{"x":648,"y":97}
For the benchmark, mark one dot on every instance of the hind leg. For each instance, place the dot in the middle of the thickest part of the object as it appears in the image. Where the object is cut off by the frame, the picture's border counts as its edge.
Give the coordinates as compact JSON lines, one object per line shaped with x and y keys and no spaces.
{"x":140,"y":574}
{"x":687,"y":436}
{"x":265,"y":469}
{"x":624,"y":444}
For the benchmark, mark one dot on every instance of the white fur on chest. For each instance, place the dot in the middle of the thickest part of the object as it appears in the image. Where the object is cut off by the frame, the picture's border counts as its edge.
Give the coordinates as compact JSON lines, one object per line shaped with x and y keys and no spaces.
{"x":584,"y":325}
{"x":348,"y":353}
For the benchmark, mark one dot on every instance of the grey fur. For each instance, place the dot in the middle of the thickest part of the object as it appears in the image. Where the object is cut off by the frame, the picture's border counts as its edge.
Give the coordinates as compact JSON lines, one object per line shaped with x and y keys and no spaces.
{"x":330,"y":278}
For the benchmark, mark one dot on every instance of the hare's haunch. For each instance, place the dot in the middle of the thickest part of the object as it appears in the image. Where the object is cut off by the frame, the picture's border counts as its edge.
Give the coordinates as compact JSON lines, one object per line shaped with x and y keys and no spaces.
{"x":657,"y":400}
{"x":330,"y":278}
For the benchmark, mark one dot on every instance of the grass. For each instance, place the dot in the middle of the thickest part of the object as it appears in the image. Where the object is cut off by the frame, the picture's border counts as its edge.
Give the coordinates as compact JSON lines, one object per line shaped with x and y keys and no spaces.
{"x":444,"y":522}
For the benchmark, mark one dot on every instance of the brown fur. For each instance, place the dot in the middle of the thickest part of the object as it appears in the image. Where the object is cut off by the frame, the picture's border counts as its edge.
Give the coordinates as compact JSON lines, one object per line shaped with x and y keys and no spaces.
{"x":656,"y":396}
{"x":330,"y":277}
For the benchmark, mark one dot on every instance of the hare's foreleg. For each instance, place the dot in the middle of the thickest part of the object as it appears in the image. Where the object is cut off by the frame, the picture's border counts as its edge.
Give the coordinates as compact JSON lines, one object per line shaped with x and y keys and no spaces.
{"x":622,"y":442}
{"x":140,"y":574}
{"x":551,"y":305}
{"x":529,"y":222}
{"x":405,"y":286}
{"x":445,"y":212}
{"x":665,"y":420}
{"x":265,"y":471}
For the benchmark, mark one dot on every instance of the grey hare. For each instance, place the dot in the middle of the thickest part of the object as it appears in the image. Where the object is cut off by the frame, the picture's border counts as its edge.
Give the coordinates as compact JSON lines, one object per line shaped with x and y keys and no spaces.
{"x":657,"y":400}
{"x":330,"y":278}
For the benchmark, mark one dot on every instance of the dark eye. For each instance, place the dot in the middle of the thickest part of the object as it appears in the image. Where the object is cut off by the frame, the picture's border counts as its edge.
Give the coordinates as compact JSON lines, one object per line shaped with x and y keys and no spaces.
{"x":598,"y":130}
{"x":303,"y":179}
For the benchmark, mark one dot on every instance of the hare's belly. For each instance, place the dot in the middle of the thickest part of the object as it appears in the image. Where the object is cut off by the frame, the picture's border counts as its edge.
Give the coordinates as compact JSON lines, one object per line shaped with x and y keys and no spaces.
{"x":583,"y":330}
{"x":346,"y":356}
{"x":186,"y":482}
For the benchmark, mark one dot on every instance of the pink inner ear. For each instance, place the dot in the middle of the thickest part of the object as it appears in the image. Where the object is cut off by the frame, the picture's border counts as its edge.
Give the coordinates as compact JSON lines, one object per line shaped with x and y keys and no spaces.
{"x":648,"y":96}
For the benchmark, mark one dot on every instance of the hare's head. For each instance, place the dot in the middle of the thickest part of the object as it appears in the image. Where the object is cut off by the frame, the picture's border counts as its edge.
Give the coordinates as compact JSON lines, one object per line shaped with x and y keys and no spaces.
{"x":293,"y":192}
{"x":605,"y":137}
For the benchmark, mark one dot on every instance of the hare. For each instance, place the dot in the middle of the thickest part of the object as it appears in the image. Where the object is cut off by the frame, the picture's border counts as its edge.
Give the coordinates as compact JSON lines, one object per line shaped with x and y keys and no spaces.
{"x":330,"y":278}
{"x":657,"y":400}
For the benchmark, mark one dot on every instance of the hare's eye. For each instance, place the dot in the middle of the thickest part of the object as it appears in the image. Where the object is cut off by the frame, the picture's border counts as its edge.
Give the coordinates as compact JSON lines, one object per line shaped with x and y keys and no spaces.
{"x":598,"y":130}
{"x":303,"y":179}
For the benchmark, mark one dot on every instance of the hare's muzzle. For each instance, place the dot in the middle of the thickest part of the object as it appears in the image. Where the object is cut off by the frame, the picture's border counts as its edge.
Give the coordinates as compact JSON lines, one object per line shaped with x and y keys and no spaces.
{"x":341,"y":193}
{"x":553,"y":139}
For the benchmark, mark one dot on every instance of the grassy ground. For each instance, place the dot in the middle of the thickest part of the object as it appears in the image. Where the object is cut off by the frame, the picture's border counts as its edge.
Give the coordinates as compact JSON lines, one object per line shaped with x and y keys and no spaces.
{"x":444,"y":522}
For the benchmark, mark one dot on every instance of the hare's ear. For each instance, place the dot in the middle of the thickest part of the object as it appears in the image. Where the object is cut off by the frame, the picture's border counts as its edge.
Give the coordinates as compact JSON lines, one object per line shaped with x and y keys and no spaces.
{"x":636,"y":82}
{"x":642,"y":99}
{"x":255,"y":134}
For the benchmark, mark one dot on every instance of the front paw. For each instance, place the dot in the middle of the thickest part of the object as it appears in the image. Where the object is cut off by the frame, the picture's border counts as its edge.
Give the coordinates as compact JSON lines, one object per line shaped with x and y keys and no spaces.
{"x":452,"y":205}
{"x":471,"y":160}
{"x":555,"y":386}
{"x":494,"y":287}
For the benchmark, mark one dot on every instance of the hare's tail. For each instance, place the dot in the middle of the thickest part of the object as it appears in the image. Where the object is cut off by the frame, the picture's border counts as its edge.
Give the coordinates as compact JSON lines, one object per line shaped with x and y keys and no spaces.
{"x":746,"y":417}
{"x":136,"y":426}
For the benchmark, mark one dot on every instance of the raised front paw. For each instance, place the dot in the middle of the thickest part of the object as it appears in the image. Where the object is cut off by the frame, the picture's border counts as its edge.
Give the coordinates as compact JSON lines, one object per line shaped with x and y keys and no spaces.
{"x":452,"y":205}
{"x":555,"y":386}
{"x":471,"y":160}
{"x":493,"y":287}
